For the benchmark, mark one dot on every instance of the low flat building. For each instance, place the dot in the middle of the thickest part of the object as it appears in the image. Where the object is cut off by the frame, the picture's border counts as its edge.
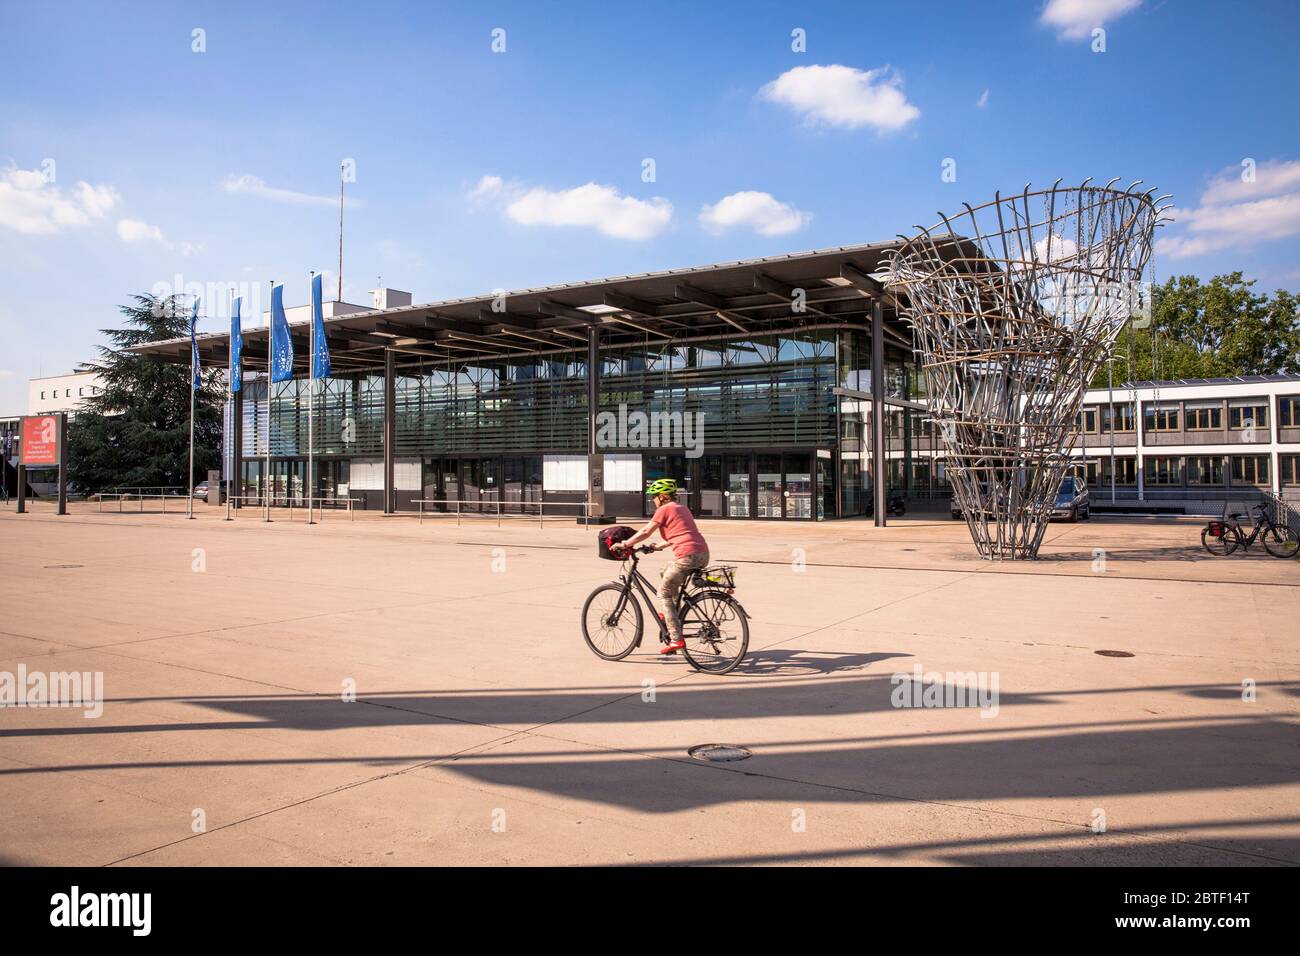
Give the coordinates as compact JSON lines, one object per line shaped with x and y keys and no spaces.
{"x":749,"y":382}
{"x":52,"y":394}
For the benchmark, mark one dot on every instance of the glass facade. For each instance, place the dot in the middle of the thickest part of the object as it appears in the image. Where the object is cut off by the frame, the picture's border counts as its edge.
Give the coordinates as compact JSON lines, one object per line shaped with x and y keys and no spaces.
{"x":775,"y":441}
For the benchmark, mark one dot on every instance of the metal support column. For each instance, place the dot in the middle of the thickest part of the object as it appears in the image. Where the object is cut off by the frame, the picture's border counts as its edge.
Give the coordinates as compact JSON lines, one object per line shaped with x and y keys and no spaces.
{"x":595,"y":458}
{"x":878,"y":495}
{"x":390,"y":430}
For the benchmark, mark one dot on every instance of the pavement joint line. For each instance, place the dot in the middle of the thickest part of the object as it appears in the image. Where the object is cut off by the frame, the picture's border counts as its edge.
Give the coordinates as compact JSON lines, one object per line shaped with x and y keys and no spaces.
{"x":992,"y":569}
{"x":898,"y":850}
{"x":454,"y":599}
{"x":986,"y":567}
{"x":342,"y":788}
{"x":883,"y":795}
{"x":1085,"y":647}
{"x":794,"y":746}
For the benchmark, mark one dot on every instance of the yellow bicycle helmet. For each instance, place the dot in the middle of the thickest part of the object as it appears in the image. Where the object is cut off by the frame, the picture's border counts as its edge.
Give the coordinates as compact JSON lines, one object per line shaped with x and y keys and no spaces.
{"x":662,"y":486}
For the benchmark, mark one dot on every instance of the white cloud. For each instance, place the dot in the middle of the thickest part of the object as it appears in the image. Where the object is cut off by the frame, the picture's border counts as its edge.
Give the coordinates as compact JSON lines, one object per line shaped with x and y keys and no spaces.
{"x":983,"y":101}
{"x":487,"y":186}
{"x":32,"y":205}
{"x":1272,"y":177}
{"x":843,"y":96}
{"x":601,"y":207}
{"x":1233,"y":213}
{"x":757,"y":210}
{"x":1076,"y":19}
{"x":249,"y":185}
{"x":134,"y":230}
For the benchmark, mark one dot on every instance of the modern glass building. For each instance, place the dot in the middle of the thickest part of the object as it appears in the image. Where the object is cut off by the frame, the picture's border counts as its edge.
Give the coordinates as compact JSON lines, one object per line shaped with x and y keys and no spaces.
{"x":752,"y":383}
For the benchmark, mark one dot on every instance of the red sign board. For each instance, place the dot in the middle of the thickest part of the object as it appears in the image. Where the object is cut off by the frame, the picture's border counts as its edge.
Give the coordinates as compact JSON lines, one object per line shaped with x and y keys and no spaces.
{"x":41,"y":443}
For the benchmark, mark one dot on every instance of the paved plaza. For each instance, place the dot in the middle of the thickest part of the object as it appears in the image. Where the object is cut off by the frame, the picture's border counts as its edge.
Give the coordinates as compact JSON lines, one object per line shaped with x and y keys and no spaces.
{"x":484,"y":732}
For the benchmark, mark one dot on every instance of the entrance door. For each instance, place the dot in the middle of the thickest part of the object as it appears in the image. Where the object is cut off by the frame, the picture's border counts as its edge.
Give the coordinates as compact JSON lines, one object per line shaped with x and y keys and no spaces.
{"x":471,"y":473}
{"x":676,"y":467}
{"x":798,"y":492}
{"x":708,"y":488}
{"x":769,"y":502}
{"x":738,"y":491}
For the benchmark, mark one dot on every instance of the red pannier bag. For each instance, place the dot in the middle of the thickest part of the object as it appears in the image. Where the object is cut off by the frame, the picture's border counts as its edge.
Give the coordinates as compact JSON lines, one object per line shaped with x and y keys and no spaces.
{"x":610,"y":536}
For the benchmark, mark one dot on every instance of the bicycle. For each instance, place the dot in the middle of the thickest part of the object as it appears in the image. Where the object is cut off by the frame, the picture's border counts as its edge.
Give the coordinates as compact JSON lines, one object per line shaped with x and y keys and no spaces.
{"x":1225,"y":537}
{"x":715,"y":626}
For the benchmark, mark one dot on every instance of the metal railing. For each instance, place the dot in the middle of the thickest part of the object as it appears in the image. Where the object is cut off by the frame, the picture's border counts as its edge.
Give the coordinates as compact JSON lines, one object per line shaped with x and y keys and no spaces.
{"x":310,"y":505}
{"x":497,"y":509}
{"x":122,"y":497}
{"x":148,"y":490}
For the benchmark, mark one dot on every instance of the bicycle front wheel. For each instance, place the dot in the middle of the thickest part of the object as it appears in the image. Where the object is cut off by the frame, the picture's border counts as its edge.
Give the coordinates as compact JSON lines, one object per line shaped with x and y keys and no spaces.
{"x":716,"y":631}
{"x":611,"y":622}
{"x":1281,"y":542}
{"x":1223,"y":544}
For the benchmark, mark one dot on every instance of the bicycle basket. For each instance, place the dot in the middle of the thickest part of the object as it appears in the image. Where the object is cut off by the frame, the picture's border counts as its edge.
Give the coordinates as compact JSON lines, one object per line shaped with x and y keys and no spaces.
{"x":609,"y":536}
{"x":722,"y":576}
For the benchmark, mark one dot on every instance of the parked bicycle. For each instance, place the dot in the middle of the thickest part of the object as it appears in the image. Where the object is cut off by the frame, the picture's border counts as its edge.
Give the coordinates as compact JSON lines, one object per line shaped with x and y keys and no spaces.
{"x":715,"y":626}
{"x":1225,"y":537}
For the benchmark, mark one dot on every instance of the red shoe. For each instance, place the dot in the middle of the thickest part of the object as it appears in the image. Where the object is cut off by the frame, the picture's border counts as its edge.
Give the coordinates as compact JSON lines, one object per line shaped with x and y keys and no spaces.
{"x":673,"y":647}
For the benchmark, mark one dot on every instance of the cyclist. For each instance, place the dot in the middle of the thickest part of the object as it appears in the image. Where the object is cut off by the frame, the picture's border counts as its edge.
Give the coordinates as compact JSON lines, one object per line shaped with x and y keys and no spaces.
{"x":690,"y":552}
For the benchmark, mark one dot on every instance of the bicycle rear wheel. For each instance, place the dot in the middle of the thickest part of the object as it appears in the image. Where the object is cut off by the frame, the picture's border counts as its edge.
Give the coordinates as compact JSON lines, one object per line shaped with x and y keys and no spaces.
{"x":716,"y":631}
{"x":1281,"y":542}
{"x":1223,"y":544}
{"x":611,"y":622}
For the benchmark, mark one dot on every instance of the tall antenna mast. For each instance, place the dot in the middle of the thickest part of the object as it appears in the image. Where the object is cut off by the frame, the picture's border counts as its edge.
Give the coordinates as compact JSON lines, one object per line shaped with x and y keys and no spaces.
{"x":342,"y":167}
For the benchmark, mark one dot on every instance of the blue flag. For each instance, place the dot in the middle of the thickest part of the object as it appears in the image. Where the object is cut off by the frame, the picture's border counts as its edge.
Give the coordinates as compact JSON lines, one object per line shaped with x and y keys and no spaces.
{"x":236,"y":348}
{"x":281,"y":342}
{"x":194,"y":346}
{"x":320,"y":361}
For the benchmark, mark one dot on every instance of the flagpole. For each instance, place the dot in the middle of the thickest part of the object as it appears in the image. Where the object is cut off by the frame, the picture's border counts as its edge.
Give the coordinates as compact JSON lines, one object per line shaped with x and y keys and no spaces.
{"x":311,"y":398}
{"x":340,"y":292}
{"x":231,"y":452}
{"x":189,"y":503}
{"x":270,"y":321}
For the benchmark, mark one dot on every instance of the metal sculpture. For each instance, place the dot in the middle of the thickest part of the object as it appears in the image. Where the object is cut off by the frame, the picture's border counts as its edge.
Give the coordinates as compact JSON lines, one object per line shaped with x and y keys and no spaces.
{"x":1014,"y":305}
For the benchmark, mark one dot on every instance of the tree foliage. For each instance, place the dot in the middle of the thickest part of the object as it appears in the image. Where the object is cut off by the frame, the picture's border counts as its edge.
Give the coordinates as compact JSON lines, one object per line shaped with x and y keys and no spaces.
{"x":1219,"y":328}
{"x":136,"y":431}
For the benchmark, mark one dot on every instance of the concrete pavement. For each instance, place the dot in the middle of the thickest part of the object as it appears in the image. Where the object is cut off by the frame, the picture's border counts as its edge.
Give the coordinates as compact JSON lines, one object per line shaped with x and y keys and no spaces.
{"x":484,"y":732}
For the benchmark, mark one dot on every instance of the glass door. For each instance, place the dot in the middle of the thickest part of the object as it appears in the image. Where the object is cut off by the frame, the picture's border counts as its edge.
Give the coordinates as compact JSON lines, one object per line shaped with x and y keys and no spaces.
{"x":737,"y":492}
{"x":709,"y":503}
{"x":768,"y":487}
{"x":825,"y":487}
{"x":798,"y":491}
{"x":448,"y":484}
{"x":654,"y":467}
{"x":470,"y":475}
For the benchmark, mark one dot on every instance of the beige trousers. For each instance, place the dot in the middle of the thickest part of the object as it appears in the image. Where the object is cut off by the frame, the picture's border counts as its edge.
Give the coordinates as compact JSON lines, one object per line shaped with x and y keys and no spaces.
{"x":672,"y":578}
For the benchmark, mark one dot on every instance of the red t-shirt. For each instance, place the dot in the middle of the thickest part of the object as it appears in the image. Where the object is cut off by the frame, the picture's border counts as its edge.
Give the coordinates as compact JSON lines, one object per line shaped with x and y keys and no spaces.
{"x":678,"y":526}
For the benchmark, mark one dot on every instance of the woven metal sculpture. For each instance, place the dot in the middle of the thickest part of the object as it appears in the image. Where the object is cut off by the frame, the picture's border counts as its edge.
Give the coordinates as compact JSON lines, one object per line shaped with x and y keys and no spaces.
{"x":1015,"y":305}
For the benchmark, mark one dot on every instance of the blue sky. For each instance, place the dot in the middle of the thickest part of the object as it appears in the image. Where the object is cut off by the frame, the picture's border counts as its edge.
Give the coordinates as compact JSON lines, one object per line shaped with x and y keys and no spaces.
{"x":128,"y":160}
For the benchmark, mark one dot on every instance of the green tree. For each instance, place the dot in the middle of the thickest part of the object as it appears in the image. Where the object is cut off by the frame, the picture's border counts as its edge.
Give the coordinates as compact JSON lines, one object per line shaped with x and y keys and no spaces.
{"x":1208,"y":330}
{"x":136,"y":431}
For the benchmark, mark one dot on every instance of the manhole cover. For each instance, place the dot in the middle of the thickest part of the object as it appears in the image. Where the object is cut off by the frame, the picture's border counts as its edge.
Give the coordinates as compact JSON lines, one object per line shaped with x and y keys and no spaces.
{"x":1113,"y":653}
{"x":63,"y":565}
{"x":719,"y":753}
